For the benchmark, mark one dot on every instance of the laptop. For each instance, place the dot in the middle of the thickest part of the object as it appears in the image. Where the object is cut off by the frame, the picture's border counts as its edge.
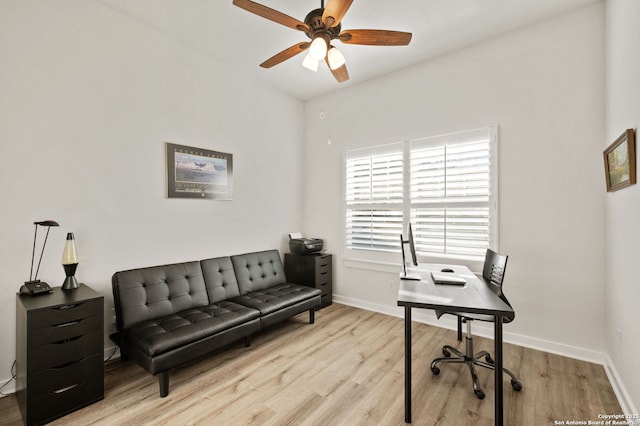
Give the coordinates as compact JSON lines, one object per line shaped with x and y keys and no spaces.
{"x":447,"y":278}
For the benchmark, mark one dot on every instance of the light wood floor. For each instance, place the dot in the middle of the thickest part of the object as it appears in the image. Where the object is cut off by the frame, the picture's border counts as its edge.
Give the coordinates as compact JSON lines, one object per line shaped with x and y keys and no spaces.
{"x":346,"y":369}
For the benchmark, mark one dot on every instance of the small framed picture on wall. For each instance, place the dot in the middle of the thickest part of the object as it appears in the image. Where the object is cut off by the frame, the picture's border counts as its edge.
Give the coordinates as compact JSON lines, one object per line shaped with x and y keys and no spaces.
{"x":620,"y":162}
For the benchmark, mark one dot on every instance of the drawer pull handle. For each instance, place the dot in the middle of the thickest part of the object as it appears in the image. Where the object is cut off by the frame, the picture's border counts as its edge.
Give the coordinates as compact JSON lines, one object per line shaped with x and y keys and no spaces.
{"x":65,"y":365}
{"x":63,"y":341}
{"x":323,"y":273}
{"x":69,"y":306}
{"x":322,"y":266}
{"x":67,"y":388}
{"x":67,"y":324}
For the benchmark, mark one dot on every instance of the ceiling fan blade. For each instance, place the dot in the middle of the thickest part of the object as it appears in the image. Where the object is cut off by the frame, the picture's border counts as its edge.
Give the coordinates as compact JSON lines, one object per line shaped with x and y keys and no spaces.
{"x":285,"y":54}
{"x":375,"y":37}
{"x":334,"y":11}
{"x":341,"y":74}
{"x":271,"y":14}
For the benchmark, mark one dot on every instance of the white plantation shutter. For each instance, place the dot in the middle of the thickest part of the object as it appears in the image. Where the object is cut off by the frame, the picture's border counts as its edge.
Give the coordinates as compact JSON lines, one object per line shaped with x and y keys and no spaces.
{"x":374,"y":194}
{"x":450,"y":194}
{"x":444,"y":185}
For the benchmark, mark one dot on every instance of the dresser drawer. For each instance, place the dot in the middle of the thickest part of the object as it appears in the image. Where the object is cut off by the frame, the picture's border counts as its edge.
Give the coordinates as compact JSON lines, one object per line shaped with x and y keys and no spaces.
{"x":322,"y":261}
{"x":60,"y":353}
{"x":66,"y":313}
{"x":323,"y":277}
{"x":65,"y":400}
{"x":323,"y":274}
{"x":68,"y":330}
{"x":325,"y":288}
{"x":325,"y":301}
{"x":52,"y":380}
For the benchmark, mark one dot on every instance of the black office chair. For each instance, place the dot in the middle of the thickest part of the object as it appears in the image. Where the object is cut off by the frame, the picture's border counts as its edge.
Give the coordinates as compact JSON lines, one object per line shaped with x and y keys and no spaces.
{"x":493,"y":274}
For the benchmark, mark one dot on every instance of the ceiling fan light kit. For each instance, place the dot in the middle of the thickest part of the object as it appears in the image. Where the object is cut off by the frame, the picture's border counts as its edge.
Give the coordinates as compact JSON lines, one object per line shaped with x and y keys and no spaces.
{"x":335,"y":58}
{"x":321,"y":26}
{"x":310,"y":63}
{"x":318,"y":48}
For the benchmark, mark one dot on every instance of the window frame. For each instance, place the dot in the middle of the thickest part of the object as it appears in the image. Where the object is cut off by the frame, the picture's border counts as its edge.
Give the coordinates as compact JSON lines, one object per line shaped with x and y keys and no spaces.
{"x":390,"y":261}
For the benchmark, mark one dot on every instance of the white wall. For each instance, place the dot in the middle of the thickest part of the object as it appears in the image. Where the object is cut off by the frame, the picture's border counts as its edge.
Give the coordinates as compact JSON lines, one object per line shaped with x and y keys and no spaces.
{"x":622,"y":225}
{"x":87,"y":99}
{"x":544,"y":87}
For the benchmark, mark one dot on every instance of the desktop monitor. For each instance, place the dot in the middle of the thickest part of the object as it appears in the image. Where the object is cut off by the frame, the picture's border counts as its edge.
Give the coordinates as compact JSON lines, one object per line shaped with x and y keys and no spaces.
{"x":412,"y":250}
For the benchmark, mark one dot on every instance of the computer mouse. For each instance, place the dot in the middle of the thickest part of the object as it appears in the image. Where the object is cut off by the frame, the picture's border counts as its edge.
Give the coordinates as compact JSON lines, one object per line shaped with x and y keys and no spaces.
{"x":446,"y":270}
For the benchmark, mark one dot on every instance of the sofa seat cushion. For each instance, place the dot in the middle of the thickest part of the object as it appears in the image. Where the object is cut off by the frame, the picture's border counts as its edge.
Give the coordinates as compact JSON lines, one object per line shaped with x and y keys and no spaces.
{"x":162,"y":334}
{"x":274,"y":298}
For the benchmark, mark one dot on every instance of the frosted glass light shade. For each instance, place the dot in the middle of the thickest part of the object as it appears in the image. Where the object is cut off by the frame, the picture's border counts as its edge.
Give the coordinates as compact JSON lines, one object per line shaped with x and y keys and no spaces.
{"x":335,"y":58}
{"x":318,"y":48}
{"x":310,"y":63}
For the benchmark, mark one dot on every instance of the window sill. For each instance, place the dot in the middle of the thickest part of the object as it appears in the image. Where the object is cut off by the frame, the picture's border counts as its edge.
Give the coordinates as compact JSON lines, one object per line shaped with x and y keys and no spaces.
{"x":392,"y":267}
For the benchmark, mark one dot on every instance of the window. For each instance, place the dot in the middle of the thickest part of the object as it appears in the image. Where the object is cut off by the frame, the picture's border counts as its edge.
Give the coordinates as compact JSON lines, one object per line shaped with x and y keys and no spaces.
{"x":446,"y":186}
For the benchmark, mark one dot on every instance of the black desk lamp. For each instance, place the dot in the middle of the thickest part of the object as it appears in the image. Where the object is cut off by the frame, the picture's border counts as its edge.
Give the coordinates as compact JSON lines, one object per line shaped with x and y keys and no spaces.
{"x":34,"y":286}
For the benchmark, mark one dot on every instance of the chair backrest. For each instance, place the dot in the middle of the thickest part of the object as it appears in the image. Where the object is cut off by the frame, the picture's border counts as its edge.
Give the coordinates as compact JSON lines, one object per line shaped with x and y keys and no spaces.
{"x":495,"y":266}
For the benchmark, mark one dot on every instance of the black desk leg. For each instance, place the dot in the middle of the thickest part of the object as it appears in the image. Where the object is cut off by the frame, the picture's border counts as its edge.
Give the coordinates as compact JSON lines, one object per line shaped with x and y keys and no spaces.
{"x":497,"y":341}
{"x":407,"y":364}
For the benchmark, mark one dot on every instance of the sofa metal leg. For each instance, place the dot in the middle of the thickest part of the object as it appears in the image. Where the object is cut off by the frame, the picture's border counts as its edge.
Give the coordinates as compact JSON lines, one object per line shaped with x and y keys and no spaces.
{"x":312,"y":316}
{"x":247,"y":341}
{"x":163,"y":379}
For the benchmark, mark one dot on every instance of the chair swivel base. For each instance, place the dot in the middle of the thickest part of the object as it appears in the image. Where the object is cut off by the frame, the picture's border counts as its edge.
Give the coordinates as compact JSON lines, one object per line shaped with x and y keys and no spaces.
{"x":472,"y":360}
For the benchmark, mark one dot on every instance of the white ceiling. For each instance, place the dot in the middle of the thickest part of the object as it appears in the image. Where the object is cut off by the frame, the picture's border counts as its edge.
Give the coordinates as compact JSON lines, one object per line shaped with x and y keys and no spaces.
{"x":244,"y":40}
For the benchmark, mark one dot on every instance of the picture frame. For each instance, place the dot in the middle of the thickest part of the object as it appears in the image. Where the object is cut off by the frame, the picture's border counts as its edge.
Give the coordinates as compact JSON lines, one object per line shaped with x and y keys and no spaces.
{"x":198,"y":173}
{"x":620,"y":162}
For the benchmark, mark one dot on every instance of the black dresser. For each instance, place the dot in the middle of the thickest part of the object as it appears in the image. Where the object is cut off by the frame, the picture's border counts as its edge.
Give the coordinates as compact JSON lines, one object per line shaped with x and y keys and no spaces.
{"x":312,"y":270}
{"x":59,"y":352}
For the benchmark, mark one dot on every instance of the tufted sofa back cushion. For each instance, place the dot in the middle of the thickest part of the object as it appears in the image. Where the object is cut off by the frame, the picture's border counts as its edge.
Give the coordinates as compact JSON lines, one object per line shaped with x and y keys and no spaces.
{"x":146,"y":293}
{"x":259,"y":270}
{"x":220,"y":279}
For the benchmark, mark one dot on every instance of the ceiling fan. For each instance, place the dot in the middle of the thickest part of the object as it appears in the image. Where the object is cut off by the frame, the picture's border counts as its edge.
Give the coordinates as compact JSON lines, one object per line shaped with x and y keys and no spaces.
{"x":322,"y":26}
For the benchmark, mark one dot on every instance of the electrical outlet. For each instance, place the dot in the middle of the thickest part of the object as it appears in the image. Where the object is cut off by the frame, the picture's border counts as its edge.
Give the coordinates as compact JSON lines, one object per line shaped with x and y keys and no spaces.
{"x":113,"y":316}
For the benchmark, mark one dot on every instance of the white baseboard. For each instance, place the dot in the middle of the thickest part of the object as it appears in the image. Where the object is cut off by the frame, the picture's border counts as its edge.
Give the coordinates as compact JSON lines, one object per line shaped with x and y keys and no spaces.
{"x":426,"y":316}
{"x":618,"y":387}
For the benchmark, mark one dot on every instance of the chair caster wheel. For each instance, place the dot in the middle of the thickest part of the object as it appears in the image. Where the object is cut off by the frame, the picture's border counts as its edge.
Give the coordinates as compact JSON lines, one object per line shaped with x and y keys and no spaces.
{"x":516,"y":385}
{"x":435,"y":370}
{"x":489,"y":360}
{"x":479,"y":393}
{"x":446,"y":353}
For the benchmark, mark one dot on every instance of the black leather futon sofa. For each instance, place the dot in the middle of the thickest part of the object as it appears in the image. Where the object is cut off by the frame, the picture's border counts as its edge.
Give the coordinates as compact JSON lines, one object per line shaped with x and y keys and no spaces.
{"x":171,"y":314}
